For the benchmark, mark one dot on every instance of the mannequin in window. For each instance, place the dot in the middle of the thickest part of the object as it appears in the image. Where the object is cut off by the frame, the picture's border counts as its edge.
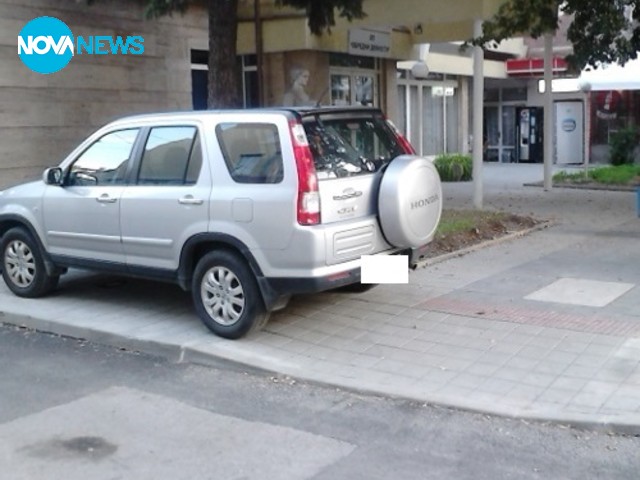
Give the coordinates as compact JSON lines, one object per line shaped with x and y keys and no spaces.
{"x":297,"y":96}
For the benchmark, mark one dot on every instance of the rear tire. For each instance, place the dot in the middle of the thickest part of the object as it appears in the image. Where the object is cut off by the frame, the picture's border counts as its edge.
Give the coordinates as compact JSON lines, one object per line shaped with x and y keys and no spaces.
{"x":226,"y":295}
{"x":23,"y":267}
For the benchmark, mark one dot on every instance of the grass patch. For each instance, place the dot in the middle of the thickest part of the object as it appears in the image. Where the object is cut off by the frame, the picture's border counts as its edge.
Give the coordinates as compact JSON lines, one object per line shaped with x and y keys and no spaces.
{"x":456,"y":221}
{"x":612,"y":175}
{"x":459,"y":229}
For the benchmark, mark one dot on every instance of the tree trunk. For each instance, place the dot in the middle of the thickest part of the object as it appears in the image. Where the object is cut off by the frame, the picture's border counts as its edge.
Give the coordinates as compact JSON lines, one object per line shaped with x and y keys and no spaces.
{"x":224,"y":76}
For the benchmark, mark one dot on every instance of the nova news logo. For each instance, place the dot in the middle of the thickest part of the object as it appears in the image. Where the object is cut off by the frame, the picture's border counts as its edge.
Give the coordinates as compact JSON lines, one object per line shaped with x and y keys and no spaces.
{"x":46,"y":45}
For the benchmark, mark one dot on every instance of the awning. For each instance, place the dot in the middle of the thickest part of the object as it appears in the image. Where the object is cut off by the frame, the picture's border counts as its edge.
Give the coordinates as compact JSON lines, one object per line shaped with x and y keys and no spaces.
{"x":533,"y":67}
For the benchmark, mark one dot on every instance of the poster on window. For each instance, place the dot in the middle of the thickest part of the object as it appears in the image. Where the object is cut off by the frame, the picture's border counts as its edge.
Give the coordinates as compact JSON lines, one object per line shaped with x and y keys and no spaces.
{"x":340,"y":90}
{"x":364,"y":90}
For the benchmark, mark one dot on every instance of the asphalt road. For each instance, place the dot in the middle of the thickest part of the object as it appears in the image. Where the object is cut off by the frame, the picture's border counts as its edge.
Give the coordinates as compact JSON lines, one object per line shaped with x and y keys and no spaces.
{"x":75,"y":410}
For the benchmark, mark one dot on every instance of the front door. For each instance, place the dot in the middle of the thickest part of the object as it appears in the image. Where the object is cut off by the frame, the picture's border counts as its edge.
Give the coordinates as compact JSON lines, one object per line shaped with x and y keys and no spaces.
{"x":500,"y":133}
{"x":82,"y":217}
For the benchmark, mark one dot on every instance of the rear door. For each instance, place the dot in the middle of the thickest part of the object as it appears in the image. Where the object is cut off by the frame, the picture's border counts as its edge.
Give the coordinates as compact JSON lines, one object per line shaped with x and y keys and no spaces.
{"x":167,"y":201}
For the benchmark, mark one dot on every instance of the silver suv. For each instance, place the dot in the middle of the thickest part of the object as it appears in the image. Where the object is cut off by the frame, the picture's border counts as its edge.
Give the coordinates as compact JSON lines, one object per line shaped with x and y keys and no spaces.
{"x":242,"y":208}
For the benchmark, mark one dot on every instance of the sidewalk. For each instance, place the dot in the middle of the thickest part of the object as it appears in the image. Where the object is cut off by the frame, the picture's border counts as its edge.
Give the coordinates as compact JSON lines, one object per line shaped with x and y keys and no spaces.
{"x":546,"y":326}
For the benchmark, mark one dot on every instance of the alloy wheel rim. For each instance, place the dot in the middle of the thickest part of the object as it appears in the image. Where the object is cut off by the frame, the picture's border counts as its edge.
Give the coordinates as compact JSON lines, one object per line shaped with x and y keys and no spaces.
{"x":20,"y":263}
{"x":222,"y":296}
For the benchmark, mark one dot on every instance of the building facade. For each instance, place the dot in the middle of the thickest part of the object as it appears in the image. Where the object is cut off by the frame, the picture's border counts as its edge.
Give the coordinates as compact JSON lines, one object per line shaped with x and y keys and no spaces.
{"x":42,"y":117}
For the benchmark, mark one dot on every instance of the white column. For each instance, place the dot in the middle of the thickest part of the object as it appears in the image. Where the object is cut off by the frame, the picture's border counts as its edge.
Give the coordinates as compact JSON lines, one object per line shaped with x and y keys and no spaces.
{"x":549,"y":120}
{"x":463,"y":116}
{"x":478,"y":116}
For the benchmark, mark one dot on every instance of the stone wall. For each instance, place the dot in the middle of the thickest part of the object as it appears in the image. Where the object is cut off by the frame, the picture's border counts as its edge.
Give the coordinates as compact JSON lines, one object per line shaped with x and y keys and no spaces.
{"x":43,"y":117}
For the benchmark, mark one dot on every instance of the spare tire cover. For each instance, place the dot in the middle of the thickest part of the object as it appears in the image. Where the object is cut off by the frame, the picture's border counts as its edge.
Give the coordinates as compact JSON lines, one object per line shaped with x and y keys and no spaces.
{"x":410,"y":201}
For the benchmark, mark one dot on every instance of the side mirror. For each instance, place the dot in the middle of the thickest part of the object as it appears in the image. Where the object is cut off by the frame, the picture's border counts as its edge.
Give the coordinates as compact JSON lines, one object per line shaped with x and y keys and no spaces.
{"x":52,"y":176}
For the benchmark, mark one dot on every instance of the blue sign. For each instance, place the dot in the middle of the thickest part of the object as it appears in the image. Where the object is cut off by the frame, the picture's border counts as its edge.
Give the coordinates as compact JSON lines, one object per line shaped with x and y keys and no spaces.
{"x":46,"y":45}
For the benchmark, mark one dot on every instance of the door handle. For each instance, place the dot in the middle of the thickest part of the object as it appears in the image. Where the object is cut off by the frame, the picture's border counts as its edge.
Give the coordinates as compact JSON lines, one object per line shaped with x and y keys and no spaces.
{"x":105,"y":198}
{"x":189,"y":200}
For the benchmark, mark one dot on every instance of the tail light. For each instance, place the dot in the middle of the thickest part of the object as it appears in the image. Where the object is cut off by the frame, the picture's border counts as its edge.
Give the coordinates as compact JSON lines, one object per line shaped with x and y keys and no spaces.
{"x":402,"y":140}
{"x":406,"y":146}
{"x":308,"y":196}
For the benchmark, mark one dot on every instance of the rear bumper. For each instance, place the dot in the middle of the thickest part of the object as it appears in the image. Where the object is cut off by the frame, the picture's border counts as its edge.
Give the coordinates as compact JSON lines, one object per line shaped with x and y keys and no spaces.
{"x":293,"y":286}
{"x":277,"y":290}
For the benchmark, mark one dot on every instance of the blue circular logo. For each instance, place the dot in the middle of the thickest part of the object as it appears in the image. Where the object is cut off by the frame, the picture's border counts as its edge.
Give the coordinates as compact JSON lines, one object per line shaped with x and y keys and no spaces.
{"x":569,"y":125}
{"x":45,"y":45}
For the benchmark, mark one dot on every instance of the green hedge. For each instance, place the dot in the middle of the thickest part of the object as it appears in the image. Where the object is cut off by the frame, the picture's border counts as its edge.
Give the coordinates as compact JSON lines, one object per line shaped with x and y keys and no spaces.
{"x":454,"y":167}
{"x":622,"y":143}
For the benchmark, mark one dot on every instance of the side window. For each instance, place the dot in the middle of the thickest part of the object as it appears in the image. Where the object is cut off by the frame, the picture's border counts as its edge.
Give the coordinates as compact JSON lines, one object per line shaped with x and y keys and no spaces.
{"x":251,"y":151}
{"x":105,"y":161}
{"x":172,"y":156}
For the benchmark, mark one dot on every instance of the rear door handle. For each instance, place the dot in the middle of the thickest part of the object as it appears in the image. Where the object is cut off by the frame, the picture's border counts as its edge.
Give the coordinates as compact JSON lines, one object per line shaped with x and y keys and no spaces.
{"x":105,"y":198}
{"x":189,"y":200}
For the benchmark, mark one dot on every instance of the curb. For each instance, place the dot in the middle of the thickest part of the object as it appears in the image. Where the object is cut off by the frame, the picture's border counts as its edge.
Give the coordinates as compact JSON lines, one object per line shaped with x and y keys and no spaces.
{"x":488,"y":243}
{"x":190,"y":354}
{"x":577,"y":186}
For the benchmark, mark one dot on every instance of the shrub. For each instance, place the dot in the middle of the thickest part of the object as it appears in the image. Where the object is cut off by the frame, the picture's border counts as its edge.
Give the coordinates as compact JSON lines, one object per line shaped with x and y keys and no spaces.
{"x":622,"y":143}
{"x":454,"y":167}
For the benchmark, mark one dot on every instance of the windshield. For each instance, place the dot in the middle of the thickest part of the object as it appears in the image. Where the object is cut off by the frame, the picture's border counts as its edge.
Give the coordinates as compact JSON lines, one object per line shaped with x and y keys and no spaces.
{"x":346,"y":146}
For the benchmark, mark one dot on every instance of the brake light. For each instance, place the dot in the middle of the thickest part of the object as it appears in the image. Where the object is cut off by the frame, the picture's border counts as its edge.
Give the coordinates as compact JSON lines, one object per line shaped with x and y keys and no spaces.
{"x":308,"y":196}
{"x":406,"y":146}
{"x":402,"y":140}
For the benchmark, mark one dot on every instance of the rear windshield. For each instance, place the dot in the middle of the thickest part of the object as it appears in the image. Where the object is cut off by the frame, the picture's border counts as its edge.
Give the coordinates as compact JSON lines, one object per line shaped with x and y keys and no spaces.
{"x":344,"y":146}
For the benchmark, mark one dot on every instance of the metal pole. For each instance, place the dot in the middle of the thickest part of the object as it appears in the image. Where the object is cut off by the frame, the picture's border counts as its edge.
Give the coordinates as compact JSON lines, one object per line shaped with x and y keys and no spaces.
{"x":478,"y":116}
{"x":549,"y":122}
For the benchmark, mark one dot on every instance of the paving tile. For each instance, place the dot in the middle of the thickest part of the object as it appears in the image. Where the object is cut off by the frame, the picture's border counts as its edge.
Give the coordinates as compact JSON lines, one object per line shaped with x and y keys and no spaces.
{"x":456,"y":391}
{"x":419,"y":346}
{"x":588,"y":400}
{"x":454,"y":364}
{"x":594,"y":361}
{"x":538,"y":379}
{"x":509,"y":373}
{"x":506,"y":348}
{"x":622,"y":403}
{"x":482,"y":368}
{"x":517,"y":338}
{"x":577,"y":371}
{"x":522,"y":363}
{"x":569,"y":383}
{"x":492,"y":357}
{"x":573,"y":346}
{"x":579,"y":291}
{"x":557,"y":396}
{"x":525,"y":392}
{"x":468,"y":380}
{"x":497,"y":386}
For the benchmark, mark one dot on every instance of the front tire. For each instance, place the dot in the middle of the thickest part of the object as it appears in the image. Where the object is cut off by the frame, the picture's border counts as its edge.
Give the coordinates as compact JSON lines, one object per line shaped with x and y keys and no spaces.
{"x":23,"y":267}
{"x":226,"y":295}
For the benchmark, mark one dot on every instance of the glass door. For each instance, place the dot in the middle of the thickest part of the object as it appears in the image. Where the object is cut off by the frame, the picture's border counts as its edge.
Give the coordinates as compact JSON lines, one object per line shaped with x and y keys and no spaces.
{"x":508,"y":147}
{"x":491,"y":140}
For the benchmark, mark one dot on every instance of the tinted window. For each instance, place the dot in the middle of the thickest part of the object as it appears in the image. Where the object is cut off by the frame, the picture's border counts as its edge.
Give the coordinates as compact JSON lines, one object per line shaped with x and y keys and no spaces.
{"x":172,"y":156}
{"x":251,"y":151}
{"x":105,"y":161}
{"x":347,"y":146}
